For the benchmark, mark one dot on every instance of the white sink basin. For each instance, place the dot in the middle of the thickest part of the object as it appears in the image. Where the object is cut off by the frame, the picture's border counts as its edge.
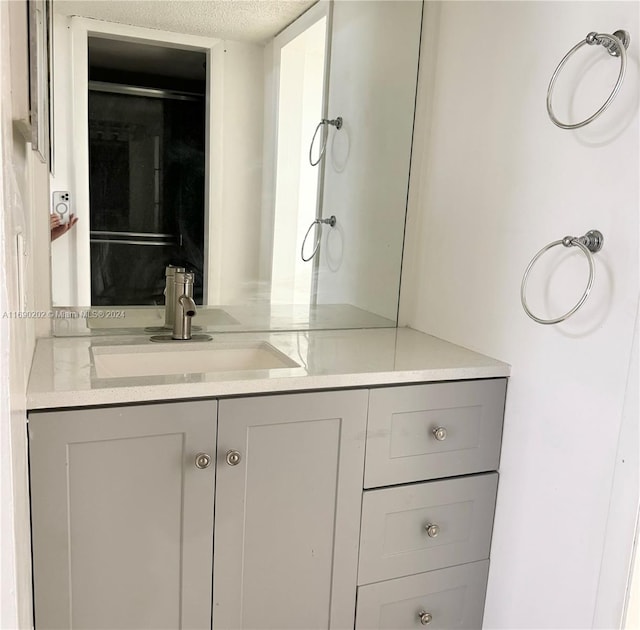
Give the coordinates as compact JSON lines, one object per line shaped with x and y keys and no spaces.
{"x":186,"y":358}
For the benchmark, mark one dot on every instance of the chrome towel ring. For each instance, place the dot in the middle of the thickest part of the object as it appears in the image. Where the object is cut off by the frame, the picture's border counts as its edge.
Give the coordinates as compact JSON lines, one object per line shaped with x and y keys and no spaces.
{"x":330,"y":221}
{"x":590,"y":243}
{"x":324,"y":123}
{"x":616,"y":46}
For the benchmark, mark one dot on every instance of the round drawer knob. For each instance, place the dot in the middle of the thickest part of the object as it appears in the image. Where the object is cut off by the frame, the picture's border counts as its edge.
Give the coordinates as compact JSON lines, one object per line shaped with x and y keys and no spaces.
{"x":432,"y":530}
{"x":440,"y":433}
{"x":203,"y":461}
{"x":233,"y":458}
{"x":425,"y":617}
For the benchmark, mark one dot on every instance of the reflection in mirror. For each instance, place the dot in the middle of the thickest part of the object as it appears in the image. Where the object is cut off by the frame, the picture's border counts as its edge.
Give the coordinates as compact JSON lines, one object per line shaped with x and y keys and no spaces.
{"x":146,"y":168}
{"x":182,"y":136}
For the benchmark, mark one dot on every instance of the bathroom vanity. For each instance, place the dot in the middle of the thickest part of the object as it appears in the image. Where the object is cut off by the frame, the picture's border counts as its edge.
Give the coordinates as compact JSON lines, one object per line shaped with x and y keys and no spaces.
{"x":326,"y":478}
{"x":356,"y":489}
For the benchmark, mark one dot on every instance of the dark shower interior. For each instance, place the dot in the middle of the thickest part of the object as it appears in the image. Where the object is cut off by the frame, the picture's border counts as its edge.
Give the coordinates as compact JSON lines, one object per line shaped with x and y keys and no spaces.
{"x":147,"y":169}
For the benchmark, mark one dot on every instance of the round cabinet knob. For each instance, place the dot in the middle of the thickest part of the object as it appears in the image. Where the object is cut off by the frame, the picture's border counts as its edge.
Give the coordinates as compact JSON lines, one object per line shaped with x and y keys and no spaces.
{"x":203,"y":461}
{"x":233,"y":458}
{"x":425,"y":617}
{"x":440,"y":433}
{"x":432,"y":530}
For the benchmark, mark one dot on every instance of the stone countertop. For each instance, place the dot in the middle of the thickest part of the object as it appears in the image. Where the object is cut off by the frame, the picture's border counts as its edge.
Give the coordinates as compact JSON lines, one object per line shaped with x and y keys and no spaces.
{"x":63,"y":373}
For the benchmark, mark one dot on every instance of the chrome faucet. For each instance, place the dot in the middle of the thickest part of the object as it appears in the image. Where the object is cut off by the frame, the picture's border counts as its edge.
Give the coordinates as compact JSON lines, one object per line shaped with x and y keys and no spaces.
{"x":170,"y":295}
{"x":184,"y":306}
{"x":180,"y":308}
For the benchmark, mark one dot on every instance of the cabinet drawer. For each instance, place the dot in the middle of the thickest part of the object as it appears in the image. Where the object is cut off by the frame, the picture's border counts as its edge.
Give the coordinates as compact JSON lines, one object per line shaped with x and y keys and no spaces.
{"x":453,"y":598}
{"x":403,"y":441}
{"x":426,"y":526}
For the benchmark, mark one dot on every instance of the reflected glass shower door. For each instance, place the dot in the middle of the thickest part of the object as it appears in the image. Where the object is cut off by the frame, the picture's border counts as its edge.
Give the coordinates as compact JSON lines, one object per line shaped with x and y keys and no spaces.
{"x":146,"y":184}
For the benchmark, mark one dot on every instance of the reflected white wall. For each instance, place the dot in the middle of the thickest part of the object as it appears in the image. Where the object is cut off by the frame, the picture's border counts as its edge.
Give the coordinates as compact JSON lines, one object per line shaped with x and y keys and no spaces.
{"x":374,"y":63}
{"x":235,"y":187}
{"x":300,"y":96}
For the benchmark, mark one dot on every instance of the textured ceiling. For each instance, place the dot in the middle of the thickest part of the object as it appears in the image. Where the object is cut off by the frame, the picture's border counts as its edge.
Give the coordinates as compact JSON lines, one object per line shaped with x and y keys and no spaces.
{"x":247,"y":20}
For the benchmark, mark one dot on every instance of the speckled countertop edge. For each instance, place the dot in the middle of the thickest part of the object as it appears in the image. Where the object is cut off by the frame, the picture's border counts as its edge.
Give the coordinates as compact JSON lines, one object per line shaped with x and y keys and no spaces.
{"x":63,"y":374}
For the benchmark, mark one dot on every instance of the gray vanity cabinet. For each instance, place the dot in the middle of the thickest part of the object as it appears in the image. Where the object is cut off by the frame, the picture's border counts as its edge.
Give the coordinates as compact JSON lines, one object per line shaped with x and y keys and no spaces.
{"x":288,"y":499}
{"x":124,"y":534}
{"x":122,"y":515}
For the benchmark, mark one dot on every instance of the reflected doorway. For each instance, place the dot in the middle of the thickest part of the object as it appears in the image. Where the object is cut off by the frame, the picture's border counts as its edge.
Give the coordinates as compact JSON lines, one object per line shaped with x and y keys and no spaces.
{"x":147,"y":118}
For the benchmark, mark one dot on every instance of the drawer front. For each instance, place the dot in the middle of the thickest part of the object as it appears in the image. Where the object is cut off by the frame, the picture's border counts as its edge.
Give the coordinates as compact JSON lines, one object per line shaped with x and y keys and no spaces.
{"x":433,"y":431}
{"x":426,"y":526}
{"x":445,"y":599}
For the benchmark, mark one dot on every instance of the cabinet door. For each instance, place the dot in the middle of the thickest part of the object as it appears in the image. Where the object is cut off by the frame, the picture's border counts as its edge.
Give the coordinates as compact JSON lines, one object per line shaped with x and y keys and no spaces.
{"x":288,"y":514}
{"x":122,"y":518}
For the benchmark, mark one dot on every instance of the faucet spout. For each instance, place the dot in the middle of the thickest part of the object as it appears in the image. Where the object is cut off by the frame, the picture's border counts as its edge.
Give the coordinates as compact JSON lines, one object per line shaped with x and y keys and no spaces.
{"x":185,"y":308}
{"x":188,"y":305}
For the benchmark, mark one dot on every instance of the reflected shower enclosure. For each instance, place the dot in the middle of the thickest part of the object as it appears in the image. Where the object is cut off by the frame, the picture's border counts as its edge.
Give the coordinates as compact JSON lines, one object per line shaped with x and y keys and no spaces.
{"x":146,"y":169}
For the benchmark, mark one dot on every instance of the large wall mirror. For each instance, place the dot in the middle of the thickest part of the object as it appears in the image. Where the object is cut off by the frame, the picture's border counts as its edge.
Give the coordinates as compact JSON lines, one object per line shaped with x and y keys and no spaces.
{"x":217,"y":136}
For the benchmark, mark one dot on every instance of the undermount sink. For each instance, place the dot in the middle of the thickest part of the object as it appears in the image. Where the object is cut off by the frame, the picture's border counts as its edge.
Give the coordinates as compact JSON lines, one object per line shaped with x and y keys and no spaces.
{"x":151,"y":360}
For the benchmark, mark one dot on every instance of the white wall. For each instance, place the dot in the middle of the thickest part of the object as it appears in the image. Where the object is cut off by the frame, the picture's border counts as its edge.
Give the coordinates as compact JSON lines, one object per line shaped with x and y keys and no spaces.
{"x":495,"y":181}
{"x":23,"y":194}
{"x":374,"y":53}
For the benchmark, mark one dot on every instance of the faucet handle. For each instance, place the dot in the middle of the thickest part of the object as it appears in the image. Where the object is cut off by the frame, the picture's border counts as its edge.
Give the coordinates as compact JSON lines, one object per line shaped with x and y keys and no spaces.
{"x":184,"y":278}
{"x":171,"y":270}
